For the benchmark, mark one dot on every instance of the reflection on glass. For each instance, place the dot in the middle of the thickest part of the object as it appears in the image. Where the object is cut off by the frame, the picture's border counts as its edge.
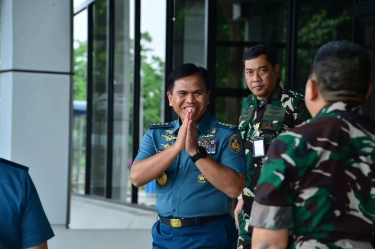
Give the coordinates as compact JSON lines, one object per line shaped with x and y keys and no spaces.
{"x":319,"y":22}
{"x":255,"y":23}
{"x":367,"y":40}
{"x":77,"y":3}
{"x":152,"y":76}
{"x":123,"y":97}
{"x":189,"y":32}
{"x":79,"y":104}
{"x":100,"y":100}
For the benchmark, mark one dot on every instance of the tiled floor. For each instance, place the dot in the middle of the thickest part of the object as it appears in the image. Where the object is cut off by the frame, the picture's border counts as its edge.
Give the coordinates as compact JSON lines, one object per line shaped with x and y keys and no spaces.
{"x":97,"y":224}
{"x":96,"y":214}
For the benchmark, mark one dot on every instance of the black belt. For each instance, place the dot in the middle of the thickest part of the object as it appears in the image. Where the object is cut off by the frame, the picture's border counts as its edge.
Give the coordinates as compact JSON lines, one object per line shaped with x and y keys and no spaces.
{"x":185,"y":222}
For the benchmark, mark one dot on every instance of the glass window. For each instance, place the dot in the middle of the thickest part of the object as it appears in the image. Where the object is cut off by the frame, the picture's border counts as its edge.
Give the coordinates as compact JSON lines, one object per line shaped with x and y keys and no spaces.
{"x":79,"y":103}
{"x":241,"y":25}
{"x":319,"y":22}
{"x":100,"y":99}
{"x":152,"y":76}
{"x":366,"y":37}
{"x":123,"y":99}
{"x":77,"y":3}
{"x":229,"y":74}
{"x":189,"y":32}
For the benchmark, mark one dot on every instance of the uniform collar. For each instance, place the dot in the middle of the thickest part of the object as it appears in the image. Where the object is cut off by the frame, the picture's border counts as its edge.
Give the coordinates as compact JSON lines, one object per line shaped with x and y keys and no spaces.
{"x":342,"y":106}
{"x":204,"y":125}
{"x":275,"y":95}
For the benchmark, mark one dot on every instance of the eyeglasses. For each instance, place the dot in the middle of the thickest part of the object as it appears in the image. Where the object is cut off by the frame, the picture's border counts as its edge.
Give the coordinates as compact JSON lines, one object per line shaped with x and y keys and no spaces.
{"x":261,"y":71}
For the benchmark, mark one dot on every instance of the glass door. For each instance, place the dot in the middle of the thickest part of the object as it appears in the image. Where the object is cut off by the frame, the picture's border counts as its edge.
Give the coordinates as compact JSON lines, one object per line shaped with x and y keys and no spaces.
{"x":365,"y":36}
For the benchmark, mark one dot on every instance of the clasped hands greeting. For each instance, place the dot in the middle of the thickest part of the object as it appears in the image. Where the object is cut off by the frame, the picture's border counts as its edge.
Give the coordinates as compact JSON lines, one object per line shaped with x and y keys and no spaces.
{"x":187,"y":138}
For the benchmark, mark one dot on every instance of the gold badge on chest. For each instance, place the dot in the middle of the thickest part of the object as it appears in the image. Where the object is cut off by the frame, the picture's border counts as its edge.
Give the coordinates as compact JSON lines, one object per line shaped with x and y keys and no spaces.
{"x":201,"y":178}
{"x":162,"y":179}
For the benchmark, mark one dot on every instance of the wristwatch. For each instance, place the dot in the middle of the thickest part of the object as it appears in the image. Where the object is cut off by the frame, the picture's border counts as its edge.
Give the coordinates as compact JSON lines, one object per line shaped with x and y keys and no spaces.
{"x":201,"y":153}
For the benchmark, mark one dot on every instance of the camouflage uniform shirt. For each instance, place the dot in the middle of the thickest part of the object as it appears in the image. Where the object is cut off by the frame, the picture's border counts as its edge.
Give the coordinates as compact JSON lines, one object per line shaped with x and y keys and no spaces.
{"x":283,"y":110}
{"x":319,"y":182}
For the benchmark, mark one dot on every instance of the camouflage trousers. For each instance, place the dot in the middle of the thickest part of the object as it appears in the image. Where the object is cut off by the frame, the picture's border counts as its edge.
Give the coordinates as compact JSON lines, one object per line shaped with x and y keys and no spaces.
{"x":244,"y":237}
{"x":245,"y":230}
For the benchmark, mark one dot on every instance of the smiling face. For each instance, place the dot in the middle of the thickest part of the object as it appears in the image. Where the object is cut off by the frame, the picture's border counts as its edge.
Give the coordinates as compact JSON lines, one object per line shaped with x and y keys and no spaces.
{"x":189,"y":93}
{"x":261,"y":77}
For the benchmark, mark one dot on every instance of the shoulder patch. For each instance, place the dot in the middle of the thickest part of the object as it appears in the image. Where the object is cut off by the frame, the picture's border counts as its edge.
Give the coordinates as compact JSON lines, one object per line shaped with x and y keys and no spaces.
{"x":235,"y":143}
{"x":13,"y":164}
{"x":160,"y":125}
{"x":228,"y":126}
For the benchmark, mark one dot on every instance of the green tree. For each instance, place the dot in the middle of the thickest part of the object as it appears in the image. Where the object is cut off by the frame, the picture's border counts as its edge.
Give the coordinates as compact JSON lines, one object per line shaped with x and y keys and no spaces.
{"x":80,"y":71}
{"x":152,"y":78}
{"x":321,"y":27}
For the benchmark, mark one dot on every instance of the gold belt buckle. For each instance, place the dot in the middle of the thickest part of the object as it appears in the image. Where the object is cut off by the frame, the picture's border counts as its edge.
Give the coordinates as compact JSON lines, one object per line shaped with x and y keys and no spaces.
{"x":175,"y":223}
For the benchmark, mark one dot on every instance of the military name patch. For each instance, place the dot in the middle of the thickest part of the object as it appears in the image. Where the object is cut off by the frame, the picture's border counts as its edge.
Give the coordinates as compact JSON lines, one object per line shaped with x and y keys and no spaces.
{"x":235,"y":143}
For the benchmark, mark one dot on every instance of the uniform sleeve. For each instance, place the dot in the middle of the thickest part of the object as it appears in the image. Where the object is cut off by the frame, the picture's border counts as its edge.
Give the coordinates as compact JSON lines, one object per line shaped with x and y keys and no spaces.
{"x":35,"y":228}
{"x":147,"y":148}
{"x":272,"y":208}
{"x":233,"y":153}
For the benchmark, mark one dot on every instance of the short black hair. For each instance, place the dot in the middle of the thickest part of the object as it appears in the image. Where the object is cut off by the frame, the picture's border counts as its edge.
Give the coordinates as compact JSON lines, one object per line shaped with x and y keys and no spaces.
{"x":185,"y":70}
{"x":258,"y":50}
{"x":342,"y":71}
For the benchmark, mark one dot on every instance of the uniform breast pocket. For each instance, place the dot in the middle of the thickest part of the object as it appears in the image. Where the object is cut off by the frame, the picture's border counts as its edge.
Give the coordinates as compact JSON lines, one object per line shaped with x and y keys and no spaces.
{"x":246,"y":113}
{"x":271,"y":125}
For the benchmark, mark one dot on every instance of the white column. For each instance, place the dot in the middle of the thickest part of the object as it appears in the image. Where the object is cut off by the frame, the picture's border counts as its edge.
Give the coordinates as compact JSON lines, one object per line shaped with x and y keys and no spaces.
{"x":35,"y":92}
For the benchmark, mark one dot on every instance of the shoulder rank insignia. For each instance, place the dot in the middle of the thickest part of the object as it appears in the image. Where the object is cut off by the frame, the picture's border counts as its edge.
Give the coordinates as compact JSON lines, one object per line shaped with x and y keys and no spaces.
{"x":235,"y":143}
{"x":160,"y":125}
{"x":226,"y":125}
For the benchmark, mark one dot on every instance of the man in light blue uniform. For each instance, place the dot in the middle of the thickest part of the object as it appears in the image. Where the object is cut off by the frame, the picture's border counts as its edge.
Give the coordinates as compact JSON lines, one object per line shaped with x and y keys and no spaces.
{"x":23,"y":223}
{"x":198,"y":163}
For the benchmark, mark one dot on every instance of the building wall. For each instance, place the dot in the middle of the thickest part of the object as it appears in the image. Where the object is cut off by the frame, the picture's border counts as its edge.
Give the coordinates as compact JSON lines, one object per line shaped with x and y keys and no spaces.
{"x":35,"y":81}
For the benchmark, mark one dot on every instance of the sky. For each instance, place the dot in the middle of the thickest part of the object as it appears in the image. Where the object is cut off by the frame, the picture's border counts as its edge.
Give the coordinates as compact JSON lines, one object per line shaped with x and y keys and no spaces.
{"x":153,"y":14}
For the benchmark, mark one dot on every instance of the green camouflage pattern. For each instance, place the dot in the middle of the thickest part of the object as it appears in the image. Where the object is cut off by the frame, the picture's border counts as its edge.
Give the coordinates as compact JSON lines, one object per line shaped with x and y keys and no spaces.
{"x":318,"y":181}
{"x":283,"y":110}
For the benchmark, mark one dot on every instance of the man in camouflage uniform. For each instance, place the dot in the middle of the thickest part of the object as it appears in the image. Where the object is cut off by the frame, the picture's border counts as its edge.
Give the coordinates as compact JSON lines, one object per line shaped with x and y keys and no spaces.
{"x":317,"y":189}
{"x":268,"y":111}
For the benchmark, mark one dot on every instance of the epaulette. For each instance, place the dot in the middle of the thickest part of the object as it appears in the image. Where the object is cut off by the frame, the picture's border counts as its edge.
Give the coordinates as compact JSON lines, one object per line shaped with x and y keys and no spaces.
{"x":13,"y":164}
{"x":160,"y":125}
{"x":228,"y":126}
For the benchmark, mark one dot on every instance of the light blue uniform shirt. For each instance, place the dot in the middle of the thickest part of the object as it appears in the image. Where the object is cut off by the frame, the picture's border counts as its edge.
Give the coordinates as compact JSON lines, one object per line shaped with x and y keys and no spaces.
{"x":23,"y":222}
{"x":186,"y":194}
